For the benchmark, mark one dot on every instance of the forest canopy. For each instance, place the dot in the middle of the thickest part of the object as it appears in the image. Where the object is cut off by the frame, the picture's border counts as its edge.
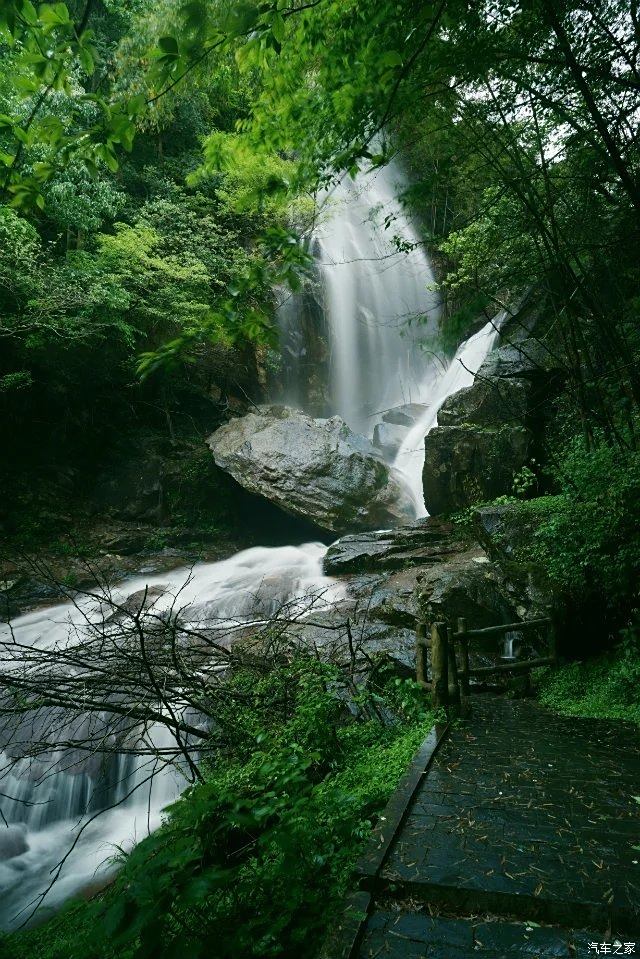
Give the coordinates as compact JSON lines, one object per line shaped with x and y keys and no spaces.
{"x":519,"y":122}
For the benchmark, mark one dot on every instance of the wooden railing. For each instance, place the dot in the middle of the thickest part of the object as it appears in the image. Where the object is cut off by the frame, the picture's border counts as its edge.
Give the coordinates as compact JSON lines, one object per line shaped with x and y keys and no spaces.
{"x":450,"y":682}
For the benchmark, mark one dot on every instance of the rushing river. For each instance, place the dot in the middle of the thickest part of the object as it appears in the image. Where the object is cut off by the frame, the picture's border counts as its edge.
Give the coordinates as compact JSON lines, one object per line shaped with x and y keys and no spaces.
{"x":378,"y":307}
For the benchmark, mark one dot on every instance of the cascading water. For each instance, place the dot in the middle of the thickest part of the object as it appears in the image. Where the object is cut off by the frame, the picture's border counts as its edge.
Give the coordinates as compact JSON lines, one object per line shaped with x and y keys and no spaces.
{"x":378,"y":304}
{"x":370,"y":292}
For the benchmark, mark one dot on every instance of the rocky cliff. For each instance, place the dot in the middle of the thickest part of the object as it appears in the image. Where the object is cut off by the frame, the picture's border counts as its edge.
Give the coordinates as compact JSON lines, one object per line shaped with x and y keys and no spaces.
{"x":487,"y":432}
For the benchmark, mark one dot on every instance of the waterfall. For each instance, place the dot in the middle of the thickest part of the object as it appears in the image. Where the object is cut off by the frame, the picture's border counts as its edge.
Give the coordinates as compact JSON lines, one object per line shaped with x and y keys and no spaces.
{"x":376,"y":309}
{"x":376,"y":303}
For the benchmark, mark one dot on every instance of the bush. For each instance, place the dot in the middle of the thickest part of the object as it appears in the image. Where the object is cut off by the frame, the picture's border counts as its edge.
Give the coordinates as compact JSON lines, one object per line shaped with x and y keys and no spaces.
{"x":589,"y":541}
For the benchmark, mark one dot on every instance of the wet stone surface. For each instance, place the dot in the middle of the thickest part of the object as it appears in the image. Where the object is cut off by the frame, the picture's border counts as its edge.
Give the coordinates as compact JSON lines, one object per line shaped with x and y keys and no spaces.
{"x":416,"y":935}
{"x":524,"y":815}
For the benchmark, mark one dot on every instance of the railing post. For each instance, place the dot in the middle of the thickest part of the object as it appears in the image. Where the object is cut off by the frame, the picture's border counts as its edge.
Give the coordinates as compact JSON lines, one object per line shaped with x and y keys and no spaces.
{"x":439,"y":666}
{"x":421,"y":654}
{"x":454,"y":685}
{"x":465,"y":693}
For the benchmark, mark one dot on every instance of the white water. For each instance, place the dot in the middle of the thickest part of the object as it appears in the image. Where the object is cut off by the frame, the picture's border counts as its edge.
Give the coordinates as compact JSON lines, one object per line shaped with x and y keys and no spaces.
{"x":377,"y":300}
{"x":370,"y":292}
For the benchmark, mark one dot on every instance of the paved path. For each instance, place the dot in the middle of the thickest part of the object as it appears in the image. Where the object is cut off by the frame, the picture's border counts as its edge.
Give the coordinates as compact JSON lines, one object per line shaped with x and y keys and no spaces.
{"x":518,"y":841}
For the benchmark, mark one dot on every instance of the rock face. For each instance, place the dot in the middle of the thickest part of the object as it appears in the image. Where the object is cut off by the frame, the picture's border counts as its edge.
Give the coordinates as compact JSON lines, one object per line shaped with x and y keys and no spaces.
{"x":468,"y":585}
{"x":486,"y":432}
{"x":506,"y":527}
{"x":425,"y":572}
{"x":405,"y":415}
{"x":425,"y":541}
{"x":464,"y":465}
{"x":317,"y":469}
{"x":388,"y":438}
{"x":504,"y":531}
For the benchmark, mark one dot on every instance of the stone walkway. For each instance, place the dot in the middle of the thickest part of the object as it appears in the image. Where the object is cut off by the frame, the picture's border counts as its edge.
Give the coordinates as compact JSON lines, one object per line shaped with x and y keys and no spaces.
{"x":518,"y":841}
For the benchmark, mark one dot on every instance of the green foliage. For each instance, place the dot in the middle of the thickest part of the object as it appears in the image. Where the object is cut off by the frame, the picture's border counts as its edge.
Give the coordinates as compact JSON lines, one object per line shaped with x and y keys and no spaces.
{"x":589,"y":540}
{"x":256,"y":858}
{"x":124,"y":272}
{"x":525,"y":481}
{"x":605,"y":687}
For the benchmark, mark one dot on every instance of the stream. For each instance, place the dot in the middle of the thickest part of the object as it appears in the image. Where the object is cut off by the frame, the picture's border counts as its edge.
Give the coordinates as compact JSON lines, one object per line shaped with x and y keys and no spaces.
{"x":377,"y":306}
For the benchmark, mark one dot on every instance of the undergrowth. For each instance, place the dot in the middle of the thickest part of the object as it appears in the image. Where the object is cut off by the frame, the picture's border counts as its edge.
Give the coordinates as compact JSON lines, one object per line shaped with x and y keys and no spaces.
{"x":255,"y":860}
{"x":604,"y":687}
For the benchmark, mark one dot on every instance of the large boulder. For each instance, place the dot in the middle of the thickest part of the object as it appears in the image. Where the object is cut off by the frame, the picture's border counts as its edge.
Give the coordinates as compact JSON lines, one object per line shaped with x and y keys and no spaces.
{"x":317,"y":469}
{"x":466,"y":464}
{"x":467,"y":585}
{"x":480,"y":441}
{"x":388,"y":438}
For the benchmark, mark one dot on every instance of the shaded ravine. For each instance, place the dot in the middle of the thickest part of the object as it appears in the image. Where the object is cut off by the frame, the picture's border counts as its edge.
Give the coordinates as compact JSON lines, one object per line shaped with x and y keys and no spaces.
{"x":369,"y":290}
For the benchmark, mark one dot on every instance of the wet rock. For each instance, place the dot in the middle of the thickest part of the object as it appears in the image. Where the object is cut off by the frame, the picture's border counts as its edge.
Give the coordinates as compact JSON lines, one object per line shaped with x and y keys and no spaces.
{"x":389,"y":599}
{"x":425,"y":541}
{"x":487,"y":403}
{"x":405,"y":415}
{"x":529,"y":359}
{"x":466,"y":464}
{"x":471,"y":586}
{"x":388,"y":438}
{"x":504,"y":529}
{"x":13,"y":841}
{"x":137,"y":603}
{"x":317,"y":469}
{"x":481,"y":440}
{"x":487,"y":432}
{"x":468,"y":585}
{"x":352,"y":637}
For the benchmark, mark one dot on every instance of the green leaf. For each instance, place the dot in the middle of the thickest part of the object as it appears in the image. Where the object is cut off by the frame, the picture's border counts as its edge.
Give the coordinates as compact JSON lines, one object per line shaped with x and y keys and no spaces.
{"x":54,"y":14}
{"x":108,"y":156}
{"x":390,"y":59}
{"x":21,"y":135}
{"x":169,"y":45}
{"x":278,"y":27}
{"x":28,"y":12}
{"x":85,"y":56}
